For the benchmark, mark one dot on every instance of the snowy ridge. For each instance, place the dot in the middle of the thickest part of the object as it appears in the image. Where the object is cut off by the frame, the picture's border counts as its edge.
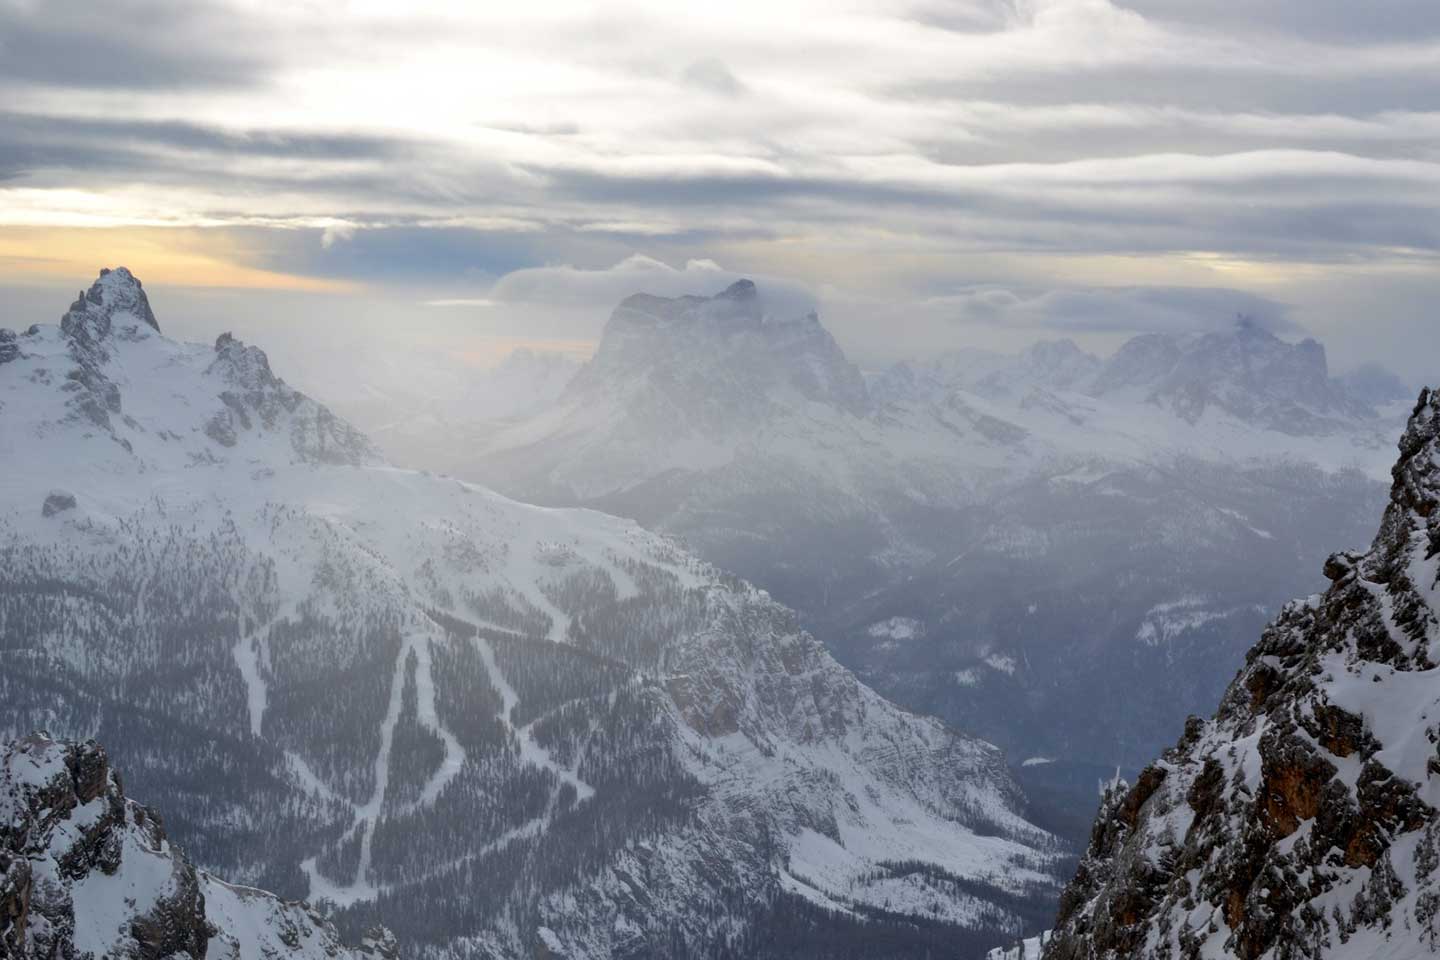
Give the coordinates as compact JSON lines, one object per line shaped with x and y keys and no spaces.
{"x":1302,"y":820}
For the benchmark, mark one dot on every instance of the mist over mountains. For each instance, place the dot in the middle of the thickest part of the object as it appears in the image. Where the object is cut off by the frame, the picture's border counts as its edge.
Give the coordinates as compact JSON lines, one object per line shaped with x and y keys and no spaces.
{"x":467,"y":726}
{"x":1064,"y":553}
{"x":497,"y":729}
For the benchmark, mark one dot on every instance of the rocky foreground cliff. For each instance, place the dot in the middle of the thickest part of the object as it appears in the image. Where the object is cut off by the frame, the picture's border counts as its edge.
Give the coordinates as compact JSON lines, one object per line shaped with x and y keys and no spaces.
{"x":87,"y":872}
{"x":1301,"y":821}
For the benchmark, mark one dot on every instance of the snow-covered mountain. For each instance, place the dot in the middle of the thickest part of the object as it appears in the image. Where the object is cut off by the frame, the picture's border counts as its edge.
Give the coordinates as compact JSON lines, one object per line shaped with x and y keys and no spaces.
{"x":499,"y":729}
{"x":1064,"y":552}
{"x":1301,"y":820}
{"x":84,"y":871}
{"x":679,"y":385}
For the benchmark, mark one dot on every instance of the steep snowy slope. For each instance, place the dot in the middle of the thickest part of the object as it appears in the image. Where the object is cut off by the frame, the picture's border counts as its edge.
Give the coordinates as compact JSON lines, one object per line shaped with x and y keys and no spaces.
{"x":86,"y":872}
{"x":1061,"y":552}
{"x":1301,"y":821}
{"x":492,"y":726}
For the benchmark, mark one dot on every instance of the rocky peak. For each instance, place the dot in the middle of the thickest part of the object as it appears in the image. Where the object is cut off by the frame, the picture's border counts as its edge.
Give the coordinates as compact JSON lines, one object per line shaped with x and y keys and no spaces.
{"x":114,"y":306}
{"x":1246,"y":372}
{"x":723,"y":351}
{"x":255,"y":399}
{"x":1058,"y":353}
{"x":1303,"y":820}
{"x":241,"y":365}
{"x":739,"y":290}
{"x":116,"y":295}
{"x":112,"y":360}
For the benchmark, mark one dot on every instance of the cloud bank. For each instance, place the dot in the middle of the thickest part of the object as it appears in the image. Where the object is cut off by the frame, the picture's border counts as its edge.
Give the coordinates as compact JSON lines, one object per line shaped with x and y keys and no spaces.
{"x":1068,"y":152}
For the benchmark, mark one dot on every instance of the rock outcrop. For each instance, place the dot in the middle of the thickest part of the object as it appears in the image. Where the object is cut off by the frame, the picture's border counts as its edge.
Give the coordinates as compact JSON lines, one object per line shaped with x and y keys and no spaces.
{"x":57,"y":501}
{"x":86,"y":872}
{"x":254,"y":398}
{"x":1301,"y":821}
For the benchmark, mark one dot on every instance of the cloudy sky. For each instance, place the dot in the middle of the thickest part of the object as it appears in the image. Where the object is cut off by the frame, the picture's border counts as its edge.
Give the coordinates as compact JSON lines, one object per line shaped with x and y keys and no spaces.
{"x":932,"y":173}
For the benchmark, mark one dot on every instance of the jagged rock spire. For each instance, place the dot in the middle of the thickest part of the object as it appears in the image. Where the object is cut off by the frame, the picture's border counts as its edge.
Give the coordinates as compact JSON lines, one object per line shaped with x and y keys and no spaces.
{"x":115,"y":292}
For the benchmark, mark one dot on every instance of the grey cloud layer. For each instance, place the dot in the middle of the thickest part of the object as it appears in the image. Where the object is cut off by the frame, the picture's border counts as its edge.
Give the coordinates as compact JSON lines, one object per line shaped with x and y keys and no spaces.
{"x":126,"y":44}
{"x":1032,"y":118}
{"x":1292,"y":130}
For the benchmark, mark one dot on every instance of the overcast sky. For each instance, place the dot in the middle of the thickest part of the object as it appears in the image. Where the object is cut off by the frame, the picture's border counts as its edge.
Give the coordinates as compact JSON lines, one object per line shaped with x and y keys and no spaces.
{"x":932,"y":174}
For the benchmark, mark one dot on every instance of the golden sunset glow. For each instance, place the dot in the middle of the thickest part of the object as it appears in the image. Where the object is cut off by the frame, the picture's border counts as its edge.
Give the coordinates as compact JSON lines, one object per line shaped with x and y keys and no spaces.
{"x":181,"y":257}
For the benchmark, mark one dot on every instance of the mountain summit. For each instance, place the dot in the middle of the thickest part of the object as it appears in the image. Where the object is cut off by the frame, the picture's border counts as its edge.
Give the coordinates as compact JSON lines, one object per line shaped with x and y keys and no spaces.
{"x":115,"y":292}
{"x":683,"y":384}
{"x":1303,"y":819}
{"x":724,"y":362}
{"x":107,"y":368}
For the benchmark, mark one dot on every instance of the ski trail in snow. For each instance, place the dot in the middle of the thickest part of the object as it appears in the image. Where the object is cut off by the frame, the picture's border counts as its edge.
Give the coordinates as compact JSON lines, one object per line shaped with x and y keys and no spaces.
{"x":425,"y":709}
{"x":526,"y":830}
{"x":625,"y":586}
{"x":247,"y":658}
{"x":368,"y":814}
{"x":524,"y":572}
{"x":530,"y":751}
{"x":250,"y":652}
{"x":309,"y":780}
{"x":322,"y":887}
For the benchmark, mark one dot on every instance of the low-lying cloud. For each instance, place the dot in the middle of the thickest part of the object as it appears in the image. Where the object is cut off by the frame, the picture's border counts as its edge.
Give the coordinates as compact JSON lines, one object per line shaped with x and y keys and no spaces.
{"x":1116,"y":309}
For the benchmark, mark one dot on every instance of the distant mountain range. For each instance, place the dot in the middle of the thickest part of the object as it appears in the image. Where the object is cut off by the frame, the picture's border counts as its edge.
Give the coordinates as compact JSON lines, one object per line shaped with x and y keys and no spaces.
{"x":1064,"y":553}
{"x":499,"y":729}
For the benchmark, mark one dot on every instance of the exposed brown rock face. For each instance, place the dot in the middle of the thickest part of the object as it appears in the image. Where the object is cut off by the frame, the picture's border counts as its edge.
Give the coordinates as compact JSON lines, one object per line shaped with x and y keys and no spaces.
{"x":1301,"y":821}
